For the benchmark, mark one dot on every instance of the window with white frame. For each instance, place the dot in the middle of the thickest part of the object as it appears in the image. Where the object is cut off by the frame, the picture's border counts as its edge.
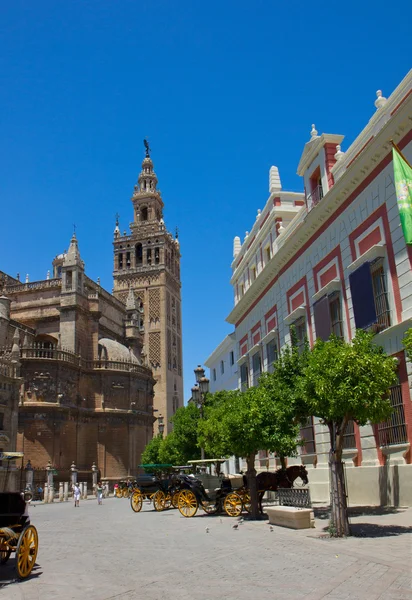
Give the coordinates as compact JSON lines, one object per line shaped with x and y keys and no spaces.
{"x":256,"y":367}
{"x":244,"y":376}
{"x":327,"y":314}
{"x":271,"y":354}
{"x":369,"y":290}
{"x":300,"y":333}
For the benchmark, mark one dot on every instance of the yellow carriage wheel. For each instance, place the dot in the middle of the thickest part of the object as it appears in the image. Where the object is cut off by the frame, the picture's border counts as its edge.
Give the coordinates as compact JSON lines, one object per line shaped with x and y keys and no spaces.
{"x":233,"y":505}
{"x":247,"y":502}
{"x":187,"y":503}
{"x":159,"y":501}
{"x":136,"y":501}
{"x":125,"y":492}
{"x":26,"y":552}
{"x":5,"y":550}
{"x":175,"y":500}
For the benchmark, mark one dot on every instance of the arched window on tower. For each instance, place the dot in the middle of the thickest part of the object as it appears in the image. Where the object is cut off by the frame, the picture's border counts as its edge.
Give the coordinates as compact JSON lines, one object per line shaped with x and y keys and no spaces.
{"x":149,"y":256}
{"x":157,"y":256}
{"x":120,"y":263}
{"x":138,"y":254}
{"x":145,"y":213}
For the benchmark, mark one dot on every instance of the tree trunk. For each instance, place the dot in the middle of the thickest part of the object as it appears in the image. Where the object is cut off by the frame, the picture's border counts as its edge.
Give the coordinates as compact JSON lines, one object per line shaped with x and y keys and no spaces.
{"x":283,"y":462}
{"x":251,"y":482}
{"x":339,"y":520}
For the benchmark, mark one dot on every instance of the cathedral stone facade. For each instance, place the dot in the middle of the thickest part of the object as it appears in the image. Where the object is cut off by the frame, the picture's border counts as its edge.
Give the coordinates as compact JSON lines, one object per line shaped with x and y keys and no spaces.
{"x":87,"y":376}
{"x":87,"y":393}
{"x":147,"y":261}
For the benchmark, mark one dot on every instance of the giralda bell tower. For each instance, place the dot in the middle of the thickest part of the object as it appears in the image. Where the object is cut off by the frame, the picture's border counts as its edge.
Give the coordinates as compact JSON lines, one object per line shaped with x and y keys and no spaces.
{"x":147,"y":279}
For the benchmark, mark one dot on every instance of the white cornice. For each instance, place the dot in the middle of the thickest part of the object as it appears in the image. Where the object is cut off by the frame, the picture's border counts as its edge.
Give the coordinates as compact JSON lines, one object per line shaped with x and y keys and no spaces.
{"x":300,"y":311}
{"x":333,"y":286}
{"x":305,"y":225}
{"x":313,"y":147}
{"x":243,"y":358}
{"x":269,"y":336}
{"x":254,"y":349}
{"x":375,"y":124}
{"x":377,"y":251}
{"x":227,"y":344}
{"x":270,"y":212}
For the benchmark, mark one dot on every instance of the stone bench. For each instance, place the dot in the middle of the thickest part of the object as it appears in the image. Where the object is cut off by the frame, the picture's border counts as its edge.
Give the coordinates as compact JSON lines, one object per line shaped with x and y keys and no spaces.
{"x":288,"y":516}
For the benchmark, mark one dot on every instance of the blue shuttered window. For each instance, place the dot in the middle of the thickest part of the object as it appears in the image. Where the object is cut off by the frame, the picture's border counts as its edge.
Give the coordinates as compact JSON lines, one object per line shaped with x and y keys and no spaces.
{"x":362,"y":296}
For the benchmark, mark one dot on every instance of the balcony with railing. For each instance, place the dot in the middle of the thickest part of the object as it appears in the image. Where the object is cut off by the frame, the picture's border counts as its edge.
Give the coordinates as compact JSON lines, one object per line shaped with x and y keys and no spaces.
{"x":314,"y":197}
{"x":45,"y":351}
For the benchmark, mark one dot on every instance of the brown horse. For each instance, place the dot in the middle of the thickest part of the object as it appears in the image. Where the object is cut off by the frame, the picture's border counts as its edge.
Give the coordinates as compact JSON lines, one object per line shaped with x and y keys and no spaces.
{"x":282,"y":478}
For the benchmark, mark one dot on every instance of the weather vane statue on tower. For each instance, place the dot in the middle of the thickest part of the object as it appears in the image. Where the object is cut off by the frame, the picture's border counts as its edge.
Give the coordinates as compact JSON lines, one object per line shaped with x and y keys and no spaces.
{"x":148,"y":149}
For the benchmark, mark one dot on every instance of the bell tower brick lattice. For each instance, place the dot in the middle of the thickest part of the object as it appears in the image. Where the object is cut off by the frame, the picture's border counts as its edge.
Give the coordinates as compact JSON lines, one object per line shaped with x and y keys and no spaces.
{"x":147,"y":261}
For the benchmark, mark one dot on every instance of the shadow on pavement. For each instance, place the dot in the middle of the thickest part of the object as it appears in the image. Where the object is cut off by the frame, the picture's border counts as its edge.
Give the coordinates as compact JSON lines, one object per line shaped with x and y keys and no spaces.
{"x":372,"y":530}
{"x":8,"y":574}
{"x":323,"y":512}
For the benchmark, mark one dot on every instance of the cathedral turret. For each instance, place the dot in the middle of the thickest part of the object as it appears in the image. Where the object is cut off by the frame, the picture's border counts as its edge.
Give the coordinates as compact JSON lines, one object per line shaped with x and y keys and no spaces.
{"x":72,"y":268}
{"x":147,"y":201}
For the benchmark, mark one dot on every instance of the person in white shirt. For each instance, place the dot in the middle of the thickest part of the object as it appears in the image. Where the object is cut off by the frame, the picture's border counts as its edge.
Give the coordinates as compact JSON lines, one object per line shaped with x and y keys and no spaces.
{"x":76,"y":494}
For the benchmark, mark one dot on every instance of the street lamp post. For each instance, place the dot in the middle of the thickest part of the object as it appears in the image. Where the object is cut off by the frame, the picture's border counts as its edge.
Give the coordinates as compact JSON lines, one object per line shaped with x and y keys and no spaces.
{"x":199,"y":393}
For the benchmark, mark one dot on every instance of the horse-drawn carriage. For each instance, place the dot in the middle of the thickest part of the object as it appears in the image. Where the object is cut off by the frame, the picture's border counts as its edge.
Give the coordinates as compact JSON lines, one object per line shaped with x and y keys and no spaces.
{"x":16,"y":532}
{"x":124,"y":488}
{"x":213,"y":493}
{"x":160,"y":484}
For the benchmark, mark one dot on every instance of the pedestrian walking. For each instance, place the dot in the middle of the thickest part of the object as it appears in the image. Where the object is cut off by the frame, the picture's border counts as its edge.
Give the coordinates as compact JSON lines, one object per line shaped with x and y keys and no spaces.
{"x":76,"y":494}
{"x":99,"y":491}
{"x":40,"y":492}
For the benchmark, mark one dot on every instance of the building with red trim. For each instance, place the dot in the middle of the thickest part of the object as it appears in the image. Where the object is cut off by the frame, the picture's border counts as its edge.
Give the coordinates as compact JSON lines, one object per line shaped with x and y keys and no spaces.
{"x":334,"y":259}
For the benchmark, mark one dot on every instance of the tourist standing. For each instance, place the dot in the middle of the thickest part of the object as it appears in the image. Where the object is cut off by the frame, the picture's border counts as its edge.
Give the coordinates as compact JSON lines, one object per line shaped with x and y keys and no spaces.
{"x":99,"y":490}
{"x":76,"y":494}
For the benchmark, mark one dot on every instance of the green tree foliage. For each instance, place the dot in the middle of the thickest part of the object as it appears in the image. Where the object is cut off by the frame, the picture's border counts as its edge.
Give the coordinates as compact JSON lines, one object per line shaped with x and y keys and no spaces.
{"x":181,"y":444}
{"x":407,"y":342}
{"x":242,"y":423}
{"x":341,"y":382}
{"x":150,"y":454}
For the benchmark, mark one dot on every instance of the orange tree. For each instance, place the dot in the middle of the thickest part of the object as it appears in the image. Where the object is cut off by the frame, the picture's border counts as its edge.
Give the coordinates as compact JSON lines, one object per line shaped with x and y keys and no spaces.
{"x":242,"y":423}
{"x":342,"y":382}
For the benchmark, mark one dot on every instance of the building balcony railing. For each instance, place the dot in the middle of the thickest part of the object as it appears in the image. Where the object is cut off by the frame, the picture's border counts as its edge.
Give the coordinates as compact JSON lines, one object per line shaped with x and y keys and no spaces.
{"x":314,"y":198}
{"x":45,"y":352}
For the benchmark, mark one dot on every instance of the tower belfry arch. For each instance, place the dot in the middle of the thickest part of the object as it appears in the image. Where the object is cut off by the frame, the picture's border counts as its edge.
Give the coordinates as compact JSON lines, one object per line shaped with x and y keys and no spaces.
{"x":147,"y":264}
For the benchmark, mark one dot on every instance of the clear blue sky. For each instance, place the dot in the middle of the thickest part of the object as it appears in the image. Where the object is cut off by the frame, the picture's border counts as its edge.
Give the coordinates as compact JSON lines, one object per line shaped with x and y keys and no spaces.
{"x":222,"y":89}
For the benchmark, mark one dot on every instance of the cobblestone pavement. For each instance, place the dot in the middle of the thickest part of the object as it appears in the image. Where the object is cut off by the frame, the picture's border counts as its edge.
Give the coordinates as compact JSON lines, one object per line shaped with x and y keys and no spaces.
{"x":108,"y":552}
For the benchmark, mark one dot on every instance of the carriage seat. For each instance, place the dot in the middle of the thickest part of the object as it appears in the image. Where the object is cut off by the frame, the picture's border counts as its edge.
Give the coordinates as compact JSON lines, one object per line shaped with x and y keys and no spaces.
{"x":12,"y":509}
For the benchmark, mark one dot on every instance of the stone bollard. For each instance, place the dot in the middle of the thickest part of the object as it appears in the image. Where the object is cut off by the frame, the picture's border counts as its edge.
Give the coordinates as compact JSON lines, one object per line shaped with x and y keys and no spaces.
{"x":61,"y":492}
{"x":46,"y":493}
{"x":66,"y":491}
{"x":95,"y":472}
{"x":50,"y":485}
{"x":29,"y":476}
{"x":84,"y":495}
{"x":73,"y":473}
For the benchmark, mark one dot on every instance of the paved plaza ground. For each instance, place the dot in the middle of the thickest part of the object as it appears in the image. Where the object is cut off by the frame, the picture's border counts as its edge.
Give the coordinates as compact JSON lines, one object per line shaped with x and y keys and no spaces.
{"x":108,"y":552}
